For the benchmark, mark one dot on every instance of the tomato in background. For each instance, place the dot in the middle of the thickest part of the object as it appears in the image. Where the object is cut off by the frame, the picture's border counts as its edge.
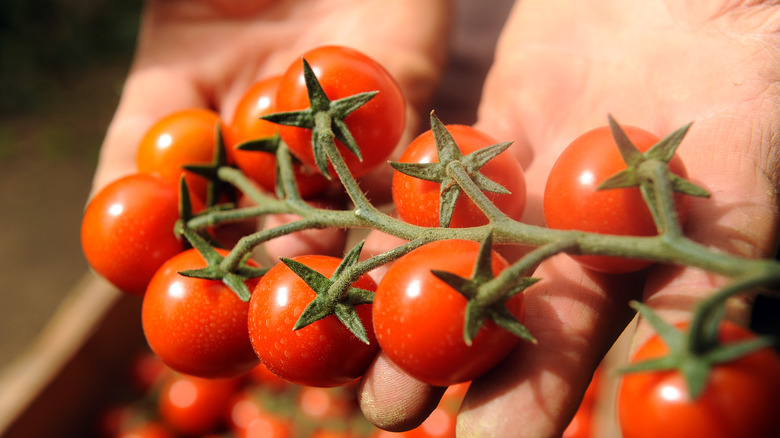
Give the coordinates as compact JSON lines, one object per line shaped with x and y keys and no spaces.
{"x":195,"y":406}
{"x":146,"y":429}
{"x":185,"y":137}
{"x":324,"y":353}
{"x":259,"y":100}
{"x":418,"y":318}
{"x":376,"y":126}
{"x":127,"y":231}
{"x":571,"y":201}
{"x":417,"y":200}
{"x":740,"y":398}
{"x":197,"y":326}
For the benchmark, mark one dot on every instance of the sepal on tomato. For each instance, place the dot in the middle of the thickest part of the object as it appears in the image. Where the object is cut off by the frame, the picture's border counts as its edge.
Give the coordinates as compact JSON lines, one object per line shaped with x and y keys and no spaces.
{"x":216,"y":187}
{"x":331,"y":115}
{"x":477,"y":311}
{"x":662,"y":151}
{"x":448,"y":153}
{"x":692,"y":361}
{"x":326,"y":302}
{"x":214,"y":270}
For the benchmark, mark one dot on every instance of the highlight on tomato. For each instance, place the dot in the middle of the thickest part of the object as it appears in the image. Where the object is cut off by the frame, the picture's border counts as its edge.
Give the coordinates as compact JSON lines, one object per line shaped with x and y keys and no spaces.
{"x":739,"y":399}
{"x":195,"y":325}
{"x":324,"y":353}
{"x":419,"y":319}
{"x":251,"y":142}
{"x":573,"y":202}
{"x":127,"y":231}
{"x":195,"y":406}
{"x":342,"y":72}
{"x":417,"y":200}
{"x":182,"y":138}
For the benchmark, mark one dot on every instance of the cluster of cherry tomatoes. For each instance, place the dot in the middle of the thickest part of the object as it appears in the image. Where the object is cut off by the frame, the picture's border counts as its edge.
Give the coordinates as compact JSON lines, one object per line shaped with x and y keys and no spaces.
{"x":200,"y":326}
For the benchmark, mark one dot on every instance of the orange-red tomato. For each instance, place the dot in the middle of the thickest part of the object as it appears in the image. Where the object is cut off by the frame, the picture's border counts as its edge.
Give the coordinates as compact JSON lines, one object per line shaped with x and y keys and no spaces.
{"x":184,"y":137}
{"x":418,"y":200}
{"x":324,"y":353}
{"x":197,"y":326}
{"x":195,"y":406}
{"x":571,"y":201}
{"x":740,"y":398}
{"x":247,"y":125}
{"x":127,"y":230}
{"x":419,"y":319}
{"x":376,"y":126}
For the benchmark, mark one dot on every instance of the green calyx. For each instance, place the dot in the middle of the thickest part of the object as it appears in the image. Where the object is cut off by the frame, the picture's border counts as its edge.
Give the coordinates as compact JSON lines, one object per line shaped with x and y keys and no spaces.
{"x":235,"y":279}
{"x":693,"y":352}
{"x":216,"y":187}
{"x":329,"y":299}
{"x":477,"y":310}
{"x":325,"y":118}
{"x":650,"y":172}
{"x":449,"y":153}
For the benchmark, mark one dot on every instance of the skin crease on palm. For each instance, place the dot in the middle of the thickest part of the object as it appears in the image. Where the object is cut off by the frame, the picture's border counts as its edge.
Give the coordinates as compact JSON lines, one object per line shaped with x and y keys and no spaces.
{"x":560,"y":68}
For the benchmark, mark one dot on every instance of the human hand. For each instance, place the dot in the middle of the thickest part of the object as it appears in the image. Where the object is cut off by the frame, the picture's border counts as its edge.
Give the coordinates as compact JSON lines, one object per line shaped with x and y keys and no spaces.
{"x":560,"y":68}
{"x":206,"y":53}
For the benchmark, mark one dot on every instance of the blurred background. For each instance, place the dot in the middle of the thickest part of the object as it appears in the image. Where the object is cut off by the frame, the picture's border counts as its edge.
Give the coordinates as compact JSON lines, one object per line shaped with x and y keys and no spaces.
{"x":62,"y":63}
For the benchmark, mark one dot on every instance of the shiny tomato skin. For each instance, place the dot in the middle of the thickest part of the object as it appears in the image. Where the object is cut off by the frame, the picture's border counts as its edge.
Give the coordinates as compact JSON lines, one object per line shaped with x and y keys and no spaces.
{"x":197,"y":326}
{"x":418,"y":319}
{"x":127,"y":230}
{"x":184,"y":137}
{"x":324,"y":353}
{"x":571,"y":201}
{"x":740,"y":399}
{"x":195,"y":406}
{"x":417,"y":201}
{"x":376,"y":126}
{"x":259,"y":100}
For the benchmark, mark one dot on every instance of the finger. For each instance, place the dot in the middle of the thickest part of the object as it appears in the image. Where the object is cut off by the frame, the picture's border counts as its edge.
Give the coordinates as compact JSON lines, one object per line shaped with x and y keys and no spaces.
{"x":575,"y":316}
{"x":392,"y":400}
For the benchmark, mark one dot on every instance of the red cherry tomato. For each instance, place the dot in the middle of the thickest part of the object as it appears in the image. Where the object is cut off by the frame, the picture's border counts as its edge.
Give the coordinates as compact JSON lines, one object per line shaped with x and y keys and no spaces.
{"x":417,"y":200}
{"x":324,"y":353}
{"x":376,"y":126}
{"x":127,"y":230}
{"x":181,"y":138}
{"x":259,"y":100}
{"x":740,"y":399}
{"x":195,"y":406}
{"x":197,"y":326}
{"x":571,"y":201}
{"x":418,"y":319}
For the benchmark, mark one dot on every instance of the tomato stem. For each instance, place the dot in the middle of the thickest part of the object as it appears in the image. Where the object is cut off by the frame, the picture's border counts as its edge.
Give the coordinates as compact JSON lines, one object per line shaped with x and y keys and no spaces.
{"x":457,"y":171}
{"x":670,"y":246}
{"x":709,"y":311}
{"x":497,"y":288}
{"x":660,"y":197}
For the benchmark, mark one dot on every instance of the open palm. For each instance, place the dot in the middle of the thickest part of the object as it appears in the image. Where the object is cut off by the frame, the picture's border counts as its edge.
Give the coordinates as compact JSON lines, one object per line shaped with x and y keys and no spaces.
{"x":560,"y":68}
